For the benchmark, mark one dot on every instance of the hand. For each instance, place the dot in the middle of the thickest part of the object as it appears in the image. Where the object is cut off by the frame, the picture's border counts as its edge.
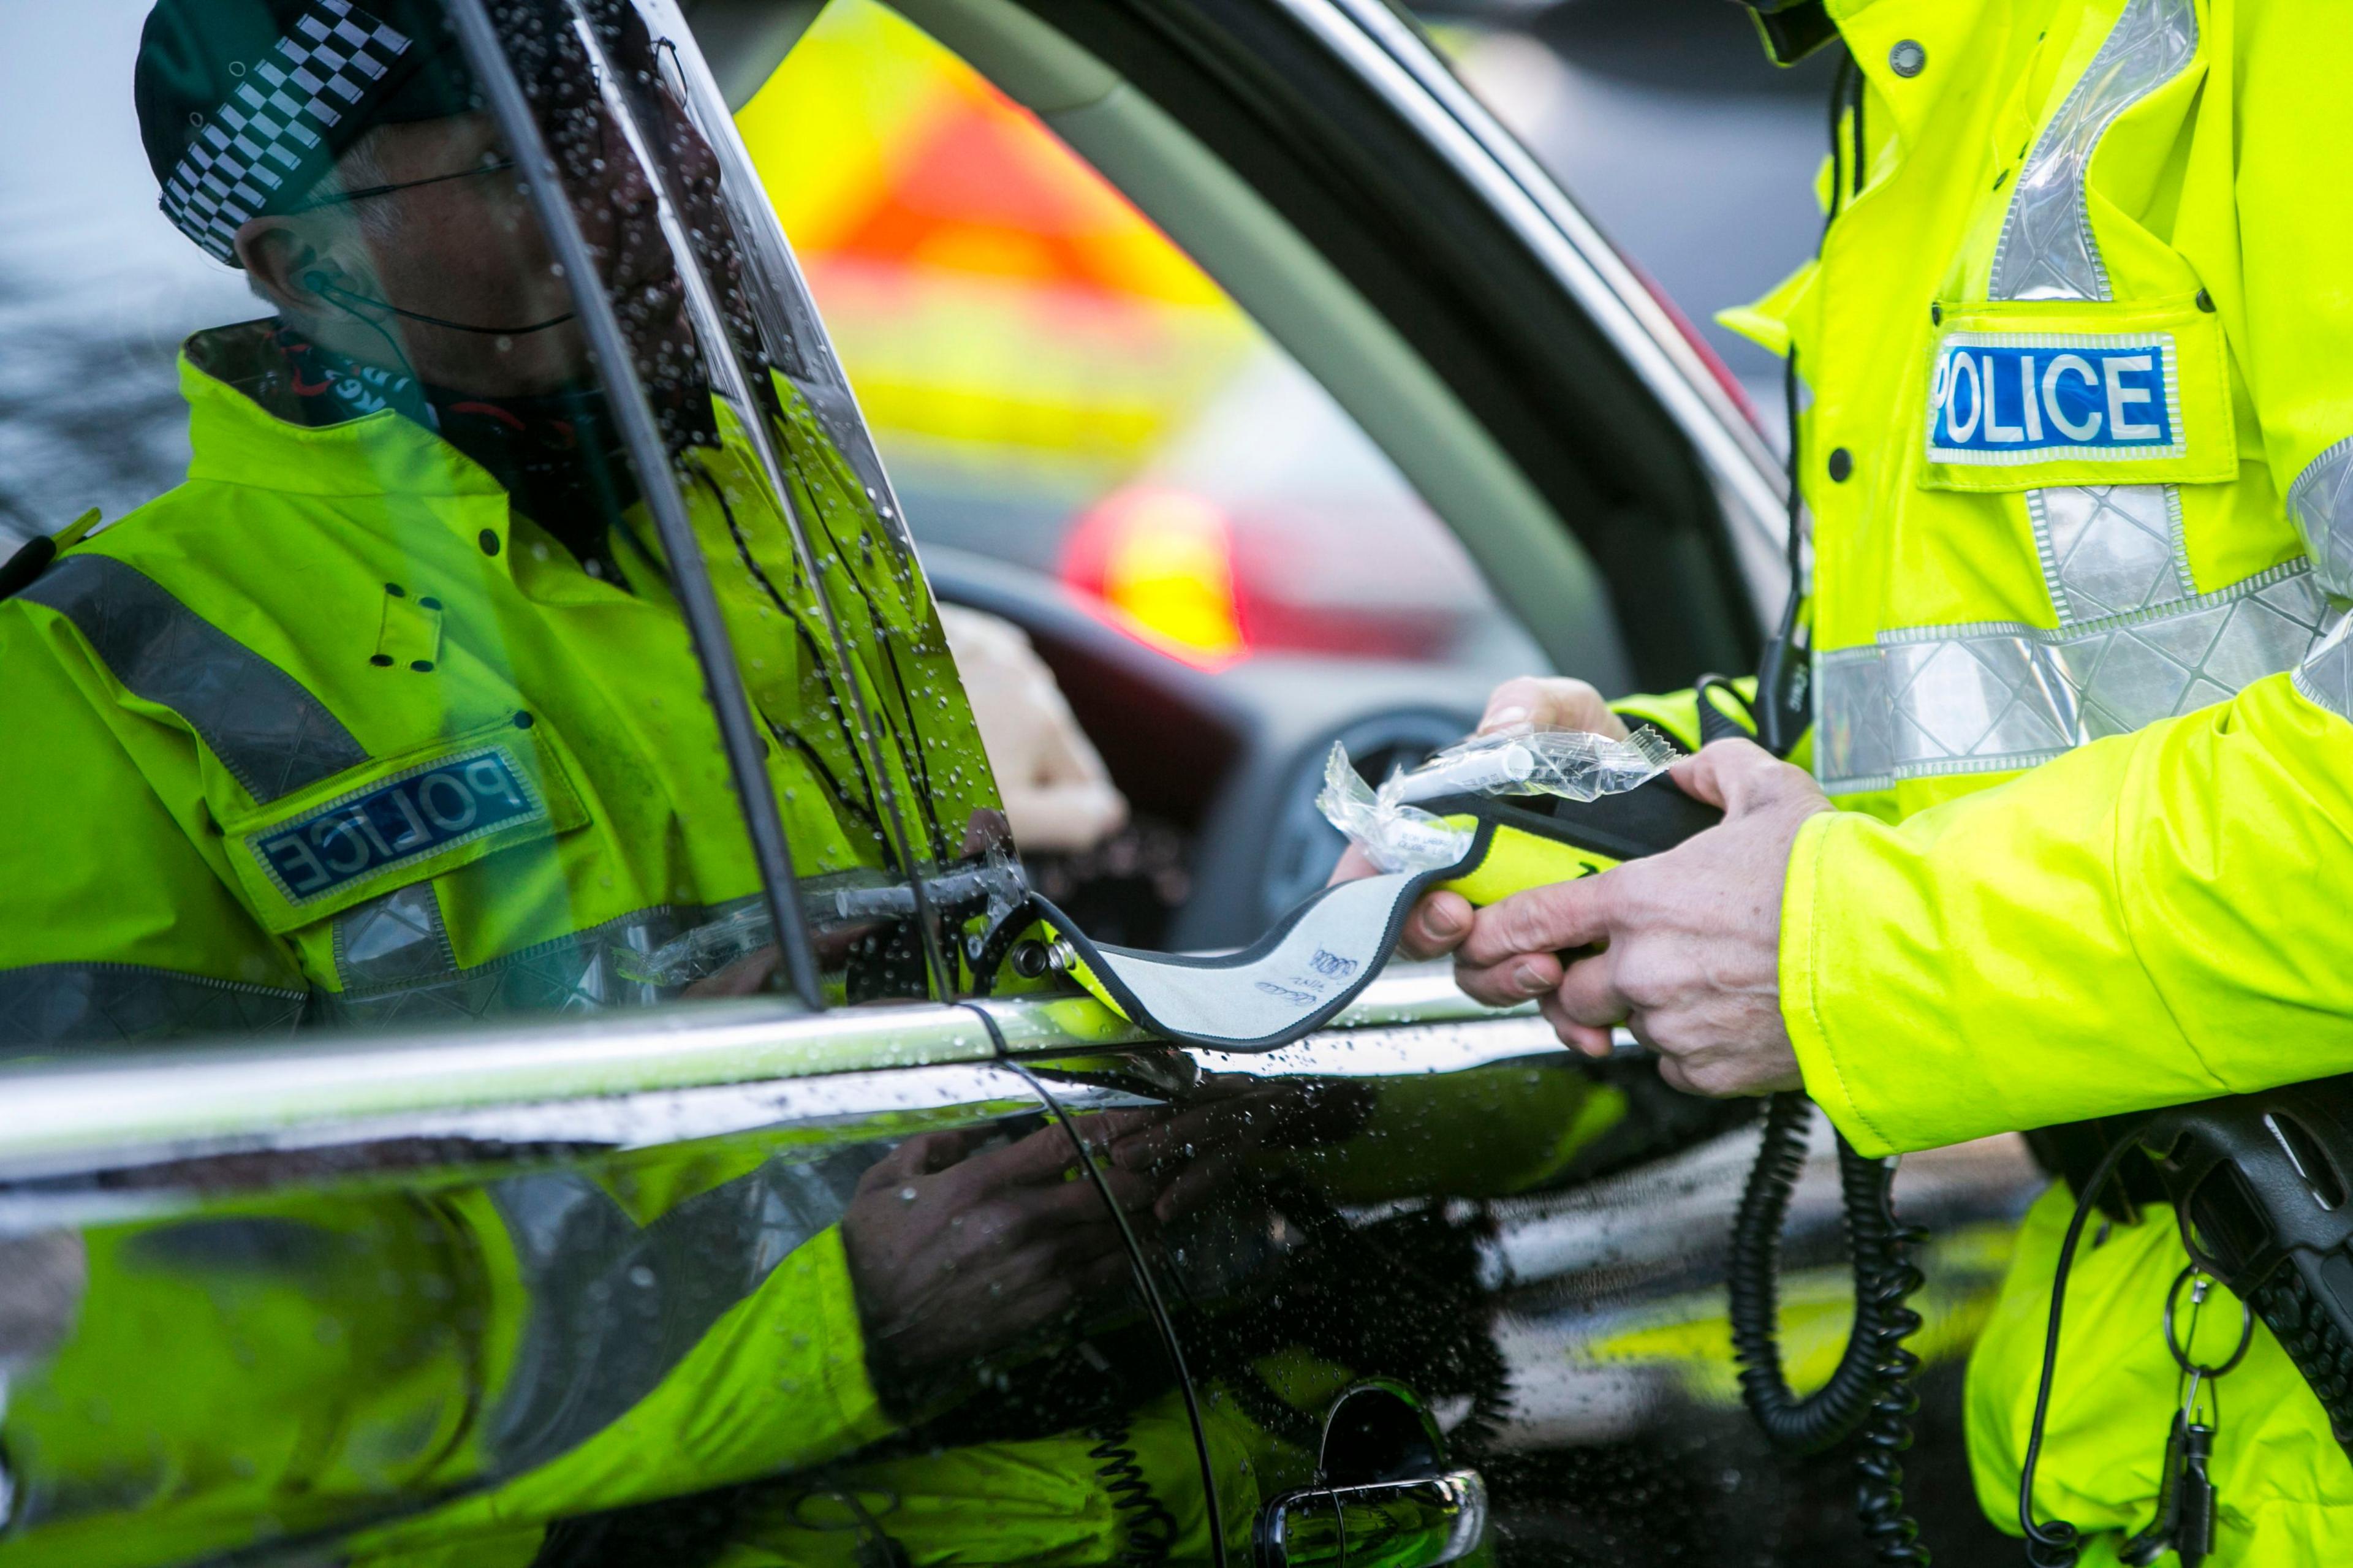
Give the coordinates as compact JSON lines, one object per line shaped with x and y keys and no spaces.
{"x":1683,"y":948}
{"x":953,"y":1255}
{"x":1442,"y":919}
{"x":1199,"y":1149}
{"x":747,"y":976}
{"x":1057,"y":790}
{"x":1550,"y":702}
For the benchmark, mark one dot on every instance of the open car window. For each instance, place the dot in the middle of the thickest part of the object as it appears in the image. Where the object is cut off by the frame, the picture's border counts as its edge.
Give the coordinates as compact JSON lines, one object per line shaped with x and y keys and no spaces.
{"x":373,"y":608}
{"x":1060,"y":388}
{"x":1094,"y":440}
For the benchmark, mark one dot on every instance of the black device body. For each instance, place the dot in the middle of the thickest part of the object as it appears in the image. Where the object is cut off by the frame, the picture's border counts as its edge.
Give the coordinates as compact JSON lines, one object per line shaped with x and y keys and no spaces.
{"x":2260,"y":1187}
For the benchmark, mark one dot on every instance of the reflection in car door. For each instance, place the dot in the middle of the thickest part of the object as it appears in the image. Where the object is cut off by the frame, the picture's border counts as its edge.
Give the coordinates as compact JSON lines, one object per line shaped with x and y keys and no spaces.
{"x":1530,"y":1247}
{"x":869,"y":1317}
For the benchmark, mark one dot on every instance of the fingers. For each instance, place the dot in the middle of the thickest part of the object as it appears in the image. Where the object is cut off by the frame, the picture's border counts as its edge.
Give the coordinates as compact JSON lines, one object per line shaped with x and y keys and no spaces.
{"x":1045,"y":1156}
{"x":1437,"y":926}
{"x":1738,"y":776}
{"x":918,"y":1156}
{"x":1550,"y":702}
{"x":1040,"y":1174}
{"x":1590,"y":998}
{"x":1516,"y":979}
{"x":1354,"y":863}
{"x":1586,"y":1039}
{"x":1541,"y":920}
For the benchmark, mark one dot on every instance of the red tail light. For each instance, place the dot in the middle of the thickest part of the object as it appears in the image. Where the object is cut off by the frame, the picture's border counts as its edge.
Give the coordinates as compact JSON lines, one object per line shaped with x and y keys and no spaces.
{"x":1162,"y":563}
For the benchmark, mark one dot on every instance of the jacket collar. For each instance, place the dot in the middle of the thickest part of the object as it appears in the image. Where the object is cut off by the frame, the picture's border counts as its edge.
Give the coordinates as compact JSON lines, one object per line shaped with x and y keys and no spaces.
{"x":246,"y":430}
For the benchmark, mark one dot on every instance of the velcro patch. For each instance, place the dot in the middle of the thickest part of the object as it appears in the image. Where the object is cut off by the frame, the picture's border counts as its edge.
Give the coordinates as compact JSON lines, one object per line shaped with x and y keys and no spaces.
{"x":2009,"y":398}
{"x":450,"y":801}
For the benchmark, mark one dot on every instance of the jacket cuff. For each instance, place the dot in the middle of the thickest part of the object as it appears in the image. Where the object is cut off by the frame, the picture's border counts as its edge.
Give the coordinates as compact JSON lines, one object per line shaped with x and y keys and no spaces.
{"x":1676,"y":713}
{"x":1802,"y":957}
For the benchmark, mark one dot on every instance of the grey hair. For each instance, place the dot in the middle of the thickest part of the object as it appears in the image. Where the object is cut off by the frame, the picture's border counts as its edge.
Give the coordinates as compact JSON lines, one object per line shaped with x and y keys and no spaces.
{"x":357,"y":170}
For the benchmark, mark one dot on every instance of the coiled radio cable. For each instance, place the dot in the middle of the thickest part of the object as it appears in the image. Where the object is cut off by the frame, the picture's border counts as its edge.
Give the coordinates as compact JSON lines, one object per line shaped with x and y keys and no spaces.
{"x":1870,"y":1397}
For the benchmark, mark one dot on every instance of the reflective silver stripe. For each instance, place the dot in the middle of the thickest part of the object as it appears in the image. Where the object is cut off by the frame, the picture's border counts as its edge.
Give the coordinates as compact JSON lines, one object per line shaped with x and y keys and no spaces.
{"x":393,"y":938}
{"x":2046,"y":250}
{"x":1994,"y":696}
{"x":2106,"y":549}
{"x":2325,"y":677}
{"x":48,"y":1004}
{"x":2109,"y":549}
{"x":2321,"y":504}
{"x":393,"y":955}
{"x":273,"y":735}
{"x":614,"y":1307}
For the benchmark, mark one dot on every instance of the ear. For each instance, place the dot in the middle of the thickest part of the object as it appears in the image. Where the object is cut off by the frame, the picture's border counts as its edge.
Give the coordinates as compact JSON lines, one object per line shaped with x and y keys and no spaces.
{"x":284,"y":261}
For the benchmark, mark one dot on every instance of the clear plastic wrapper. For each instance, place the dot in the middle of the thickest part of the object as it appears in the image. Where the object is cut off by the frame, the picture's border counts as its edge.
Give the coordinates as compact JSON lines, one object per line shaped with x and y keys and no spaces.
{"x":1574,"y":764}
{"x":1397,"y":834}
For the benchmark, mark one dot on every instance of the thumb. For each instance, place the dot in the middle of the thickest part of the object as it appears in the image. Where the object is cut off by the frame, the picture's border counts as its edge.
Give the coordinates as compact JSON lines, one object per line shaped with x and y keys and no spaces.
{"x":1735,"y":776}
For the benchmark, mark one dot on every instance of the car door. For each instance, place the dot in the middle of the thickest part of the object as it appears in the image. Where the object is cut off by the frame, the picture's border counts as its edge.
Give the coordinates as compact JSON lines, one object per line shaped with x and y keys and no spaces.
{"x":1424,"y":1200}
{"x":567,"y":1326}
{"x":483,"y":1077}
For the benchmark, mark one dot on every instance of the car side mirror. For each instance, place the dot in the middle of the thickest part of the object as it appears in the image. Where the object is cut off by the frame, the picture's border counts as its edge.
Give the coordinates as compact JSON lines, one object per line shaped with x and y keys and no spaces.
{"x":1384,"y":1493}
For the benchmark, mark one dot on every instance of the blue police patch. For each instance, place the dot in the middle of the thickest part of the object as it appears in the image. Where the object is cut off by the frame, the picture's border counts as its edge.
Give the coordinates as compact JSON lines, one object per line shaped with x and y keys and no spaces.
{"x":448,"y":802}
{"x":2034,"y":397}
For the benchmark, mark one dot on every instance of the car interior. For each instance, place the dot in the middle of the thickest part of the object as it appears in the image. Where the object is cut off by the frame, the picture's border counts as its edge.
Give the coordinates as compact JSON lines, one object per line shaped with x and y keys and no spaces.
{"x":1598,"y":546}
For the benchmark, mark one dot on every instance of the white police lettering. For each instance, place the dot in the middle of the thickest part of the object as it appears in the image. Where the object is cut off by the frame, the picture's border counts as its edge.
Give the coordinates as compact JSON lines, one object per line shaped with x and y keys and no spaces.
{"x":434,"y":807}
{"x":2122,"y":393}
{"x":2074,"y":365}
{"x":2017,"y":397}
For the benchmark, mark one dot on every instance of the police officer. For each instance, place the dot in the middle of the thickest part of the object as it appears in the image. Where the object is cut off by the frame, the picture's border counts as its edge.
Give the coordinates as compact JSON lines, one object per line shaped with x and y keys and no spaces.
{"x":390,"y":705}
{"x":2078,"y":461}
{"x":388,"y":713}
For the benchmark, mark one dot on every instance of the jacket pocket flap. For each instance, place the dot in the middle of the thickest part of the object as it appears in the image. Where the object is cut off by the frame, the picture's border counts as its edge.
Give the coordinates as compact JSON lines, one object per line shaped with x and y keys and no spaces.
{"x":2031,"y":393}
{"x":400,"y":819}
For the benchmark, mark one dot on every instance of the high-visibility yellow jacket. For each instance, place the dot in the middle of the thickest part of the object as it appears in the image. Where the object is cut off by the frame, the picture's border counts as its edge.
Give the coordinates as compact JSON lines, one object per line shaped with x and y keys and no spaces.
{"x":333,"y":731}
{"x":337,"y":1359}
{"x":2080,"y":459}
{"x":560,"y":1342}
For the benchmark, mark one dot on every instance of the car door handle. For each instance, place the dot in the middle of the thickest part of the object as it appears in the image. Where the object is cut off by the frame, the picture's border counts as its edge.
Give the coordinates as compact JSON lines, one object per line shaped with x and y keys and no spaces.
{"x":1414,"y":1523}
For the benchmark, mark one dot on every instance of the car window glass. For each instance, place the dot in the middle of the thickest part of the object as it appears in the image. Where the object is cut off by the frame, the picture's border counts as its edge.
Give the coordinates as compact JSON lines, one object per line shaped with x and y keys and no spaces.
{"x":1058,"y":387}
{"x":813,"y":568}
{"x":360,"y":679}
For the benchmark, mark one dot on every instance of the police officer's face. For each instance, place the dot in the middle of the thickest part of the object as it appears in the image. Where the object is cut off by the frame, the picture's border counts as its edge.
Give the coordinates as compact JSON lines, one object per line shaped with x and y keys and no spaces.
{"x":470,"y":251}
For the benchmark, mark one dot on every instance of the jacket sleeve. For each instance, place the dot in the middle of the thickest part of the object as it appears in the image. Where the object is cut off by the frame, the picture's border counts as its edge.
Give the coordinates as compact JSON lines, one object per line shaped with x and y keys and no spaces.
{"x":778,"y":1383}
{"x":2158,"y":917}
{"x":2146,"y":920}
{"x":114,"y":924}
{"x":1677,"y":714}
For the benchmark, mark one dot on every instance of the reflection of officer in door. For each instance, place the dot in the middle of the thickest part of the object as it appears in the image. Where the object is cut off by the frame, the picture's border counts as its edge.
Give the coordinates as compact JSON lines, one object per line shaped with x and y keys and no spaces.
{"x":389,"y":712}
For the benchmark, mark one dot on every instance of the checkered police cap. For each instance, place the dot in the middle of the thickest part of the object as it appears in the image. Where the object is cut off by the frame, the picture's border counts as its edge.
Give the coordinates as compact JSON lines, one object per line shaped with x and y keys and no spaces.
{"x":245,"y":104}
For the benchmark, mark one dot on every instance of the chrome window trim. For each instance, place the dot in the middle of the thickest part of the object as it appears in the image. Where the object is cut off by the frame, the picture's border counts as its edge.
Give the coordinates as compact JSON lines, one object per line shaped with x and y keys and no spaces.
{"x":626,"y":1078}
{"x":1398,"y":64}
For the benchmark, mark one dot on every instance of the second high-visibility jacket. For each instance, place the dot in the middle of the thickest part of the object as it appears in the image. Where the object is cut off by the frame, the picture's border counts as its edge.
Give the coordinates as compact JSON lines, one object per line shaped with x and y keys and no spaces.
{"x":334,"y":731}
{"x":2080,"y":458}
